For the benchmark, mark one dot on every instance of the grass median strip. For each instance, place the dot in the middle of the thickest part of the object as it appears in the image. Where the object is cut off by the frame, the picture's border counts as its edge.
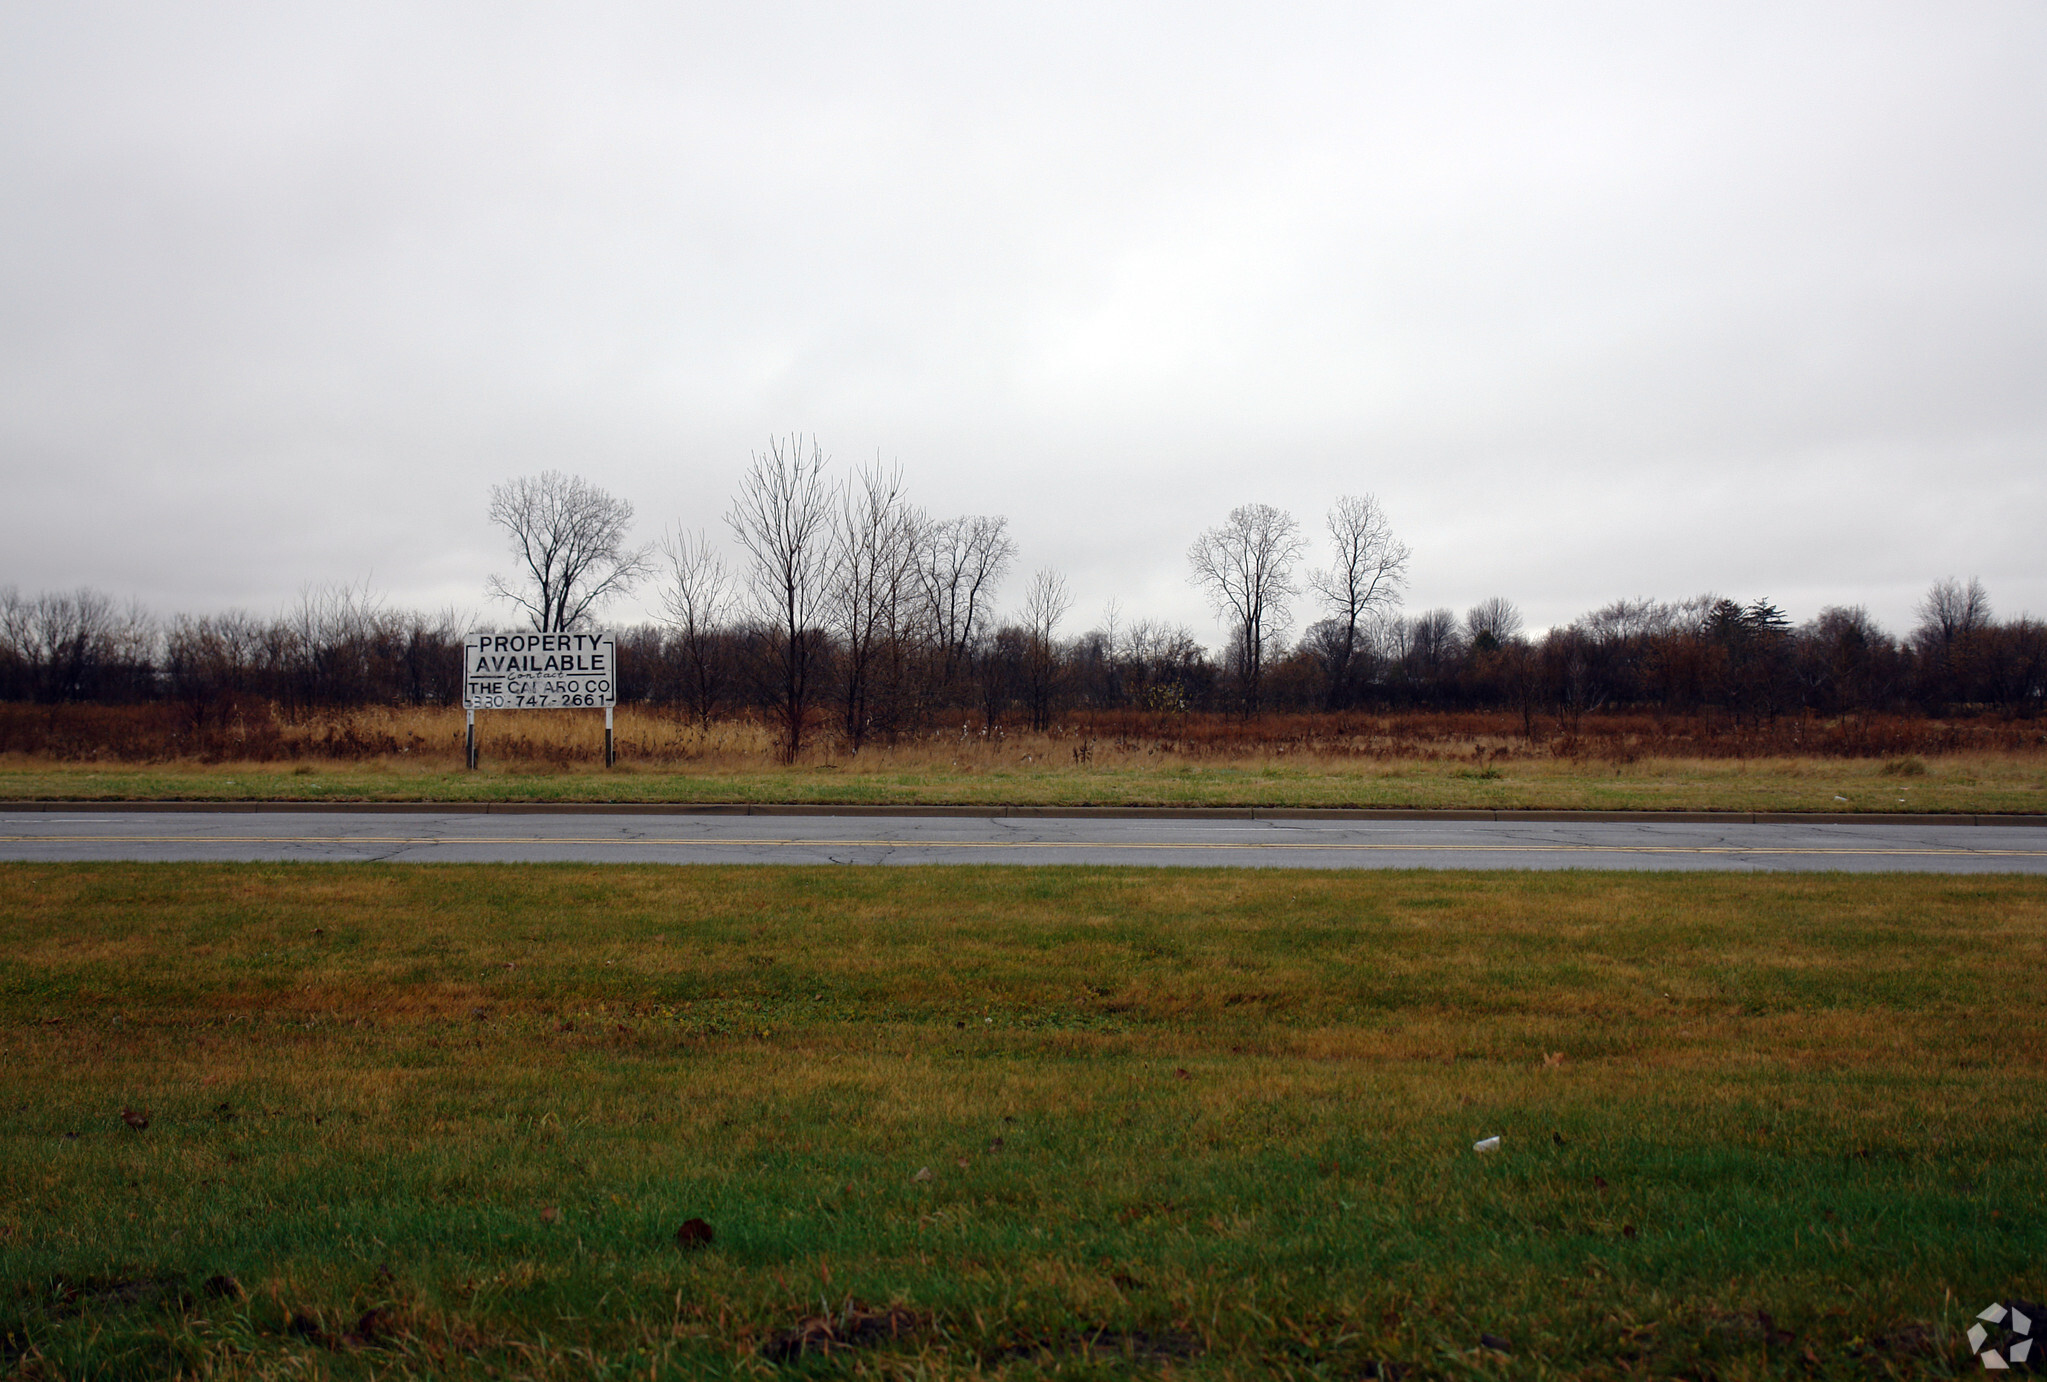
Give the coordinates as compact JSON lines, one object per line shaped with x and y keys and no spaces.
{"x":457,"y":1119}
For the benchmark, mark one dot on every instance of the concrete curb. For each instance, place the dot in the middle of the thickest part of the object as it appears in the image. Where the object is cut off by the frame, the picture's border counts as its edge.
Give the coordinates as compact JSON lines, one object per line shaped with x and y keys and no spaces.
{"x":1212,"y":813}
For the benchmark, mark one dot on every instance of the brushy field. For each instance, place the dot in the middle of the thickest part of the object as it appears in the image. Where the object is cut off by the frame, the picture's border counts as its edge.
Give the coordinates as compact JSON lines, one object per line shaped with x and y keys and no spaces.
{"x":1013,"y":1123}
{"x":1475,"y":761}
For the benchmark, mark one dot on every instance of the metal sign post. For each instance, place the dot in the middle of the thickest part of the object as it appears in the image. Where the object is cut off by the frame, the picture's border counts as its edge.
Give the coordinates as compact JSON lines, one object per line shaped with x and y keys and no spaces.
{"x":540,"y":671}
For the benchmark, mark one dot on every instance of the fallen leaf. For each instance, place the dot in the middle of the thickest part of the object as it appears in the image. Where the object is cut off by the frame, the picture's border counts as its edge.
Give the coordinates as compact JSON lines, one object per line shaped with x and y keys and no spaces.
{"x":694,"y":1233}
{"x":960,"y":1162}
{"x":137,"y":1119}
{"x":1495,"y":1343}
{"x":1627,"y":1230}
{"x":1553,"y":1059}
{"x":1181,"y":1073}
{"x":222,"y":1287}
{"x":1558,"y":1138}
{"x":550,"y":1215}
{"x":996,"y":1145}
{"x":1599,"y":1182}
{"x":923,"y":1173}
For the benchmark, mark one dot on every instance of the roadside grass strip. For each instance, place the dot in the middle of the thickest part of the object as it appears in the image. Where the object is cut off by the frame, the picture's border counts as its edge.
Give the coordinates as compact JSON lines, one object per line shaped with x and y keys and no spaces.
{"x":2012,"y":782}
{"x":568,"y":1120}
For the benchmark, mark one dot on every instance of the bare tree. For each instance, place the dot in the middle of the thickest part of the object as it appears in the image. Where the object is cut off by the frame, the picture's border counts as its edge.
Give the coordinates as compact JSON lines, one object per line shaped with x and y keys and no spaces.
{"x":1246,"y":567}
{"x":1951,"y":611}
{"x":571,"y":538}
{"x":693,"y":599}
{"x":1953,"y":619}
{"x":80,"y":645}
{"x":1044,"y":606}
{"x":17,"y":677}
{"x":962,"y":562}
{"x":875,"y":532}
{"x":782,"y":517}
{"x":1433,"y":645}
{"x":1364,"y":582}
{"x":210,"y":661}
{"x":1492,"y":624}
{"x":328,"y":642}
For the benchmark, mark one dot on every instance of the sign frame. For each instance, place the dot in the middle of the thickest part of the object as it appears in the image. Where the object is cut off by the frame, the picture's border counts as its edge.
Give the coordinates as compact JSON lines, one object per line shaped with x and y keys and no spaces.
{"x":530,"y":670}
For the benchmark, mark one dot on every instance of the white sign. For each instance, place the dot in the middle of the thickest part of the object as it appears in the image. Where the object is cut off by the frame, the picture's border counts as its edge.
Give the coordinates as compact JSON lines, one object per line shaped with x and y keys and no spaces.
{"x":539,"y":671}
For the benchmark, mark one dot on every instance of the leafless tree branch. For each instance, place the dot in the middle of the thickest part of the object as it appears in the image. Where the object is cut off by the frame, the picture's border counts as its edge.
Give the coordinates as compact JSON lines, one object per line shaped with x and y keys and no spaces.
{"x":1245,"y":567}
{"x":570,"y":536}
{"x":782,"y":517}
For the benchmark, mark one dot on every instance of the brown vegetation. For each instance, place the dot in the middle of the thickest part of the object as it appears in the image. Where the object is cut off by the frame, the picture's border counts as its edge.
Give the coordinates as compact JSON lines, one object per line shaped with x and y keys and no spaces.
{"x":260,"y":732}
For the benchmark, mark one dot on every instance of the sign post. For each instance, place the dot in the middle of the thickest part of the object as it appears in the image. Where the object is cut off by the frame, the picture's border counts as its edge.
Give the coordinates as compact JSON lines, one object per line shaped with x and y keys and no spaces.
{"x":540,"y":671}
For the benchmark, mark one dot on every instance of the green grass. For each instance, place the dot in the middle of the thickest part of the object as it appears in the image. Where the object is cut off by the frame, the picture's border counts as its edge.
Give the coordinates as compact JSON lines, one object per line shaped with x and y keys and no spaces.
{"x":1752,"y":1125}
{"x":1978,"y":783}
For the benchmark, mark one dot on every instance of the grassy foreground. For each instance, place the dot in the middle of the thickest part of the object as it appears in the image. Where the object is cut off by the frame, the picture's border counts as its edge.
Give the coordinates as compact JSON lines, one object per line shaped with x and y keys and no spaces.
{"x":1959,"y":783}
{"x":994,"y":1122}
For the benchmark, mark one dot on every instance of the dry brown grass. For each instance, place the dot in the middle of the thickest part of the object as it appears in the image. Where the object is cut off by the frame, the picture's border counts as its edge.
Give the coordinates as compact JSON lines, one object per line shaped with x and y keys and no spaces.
{"x":1615,"y":762}
{"x":258,"y":732}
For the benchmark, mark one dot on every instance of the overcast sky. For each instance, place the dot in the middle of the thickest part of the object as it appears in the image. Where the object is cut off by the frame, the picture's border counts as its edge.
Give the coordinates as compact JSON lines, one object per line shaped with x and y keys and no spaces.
{"x":1599,"y":300}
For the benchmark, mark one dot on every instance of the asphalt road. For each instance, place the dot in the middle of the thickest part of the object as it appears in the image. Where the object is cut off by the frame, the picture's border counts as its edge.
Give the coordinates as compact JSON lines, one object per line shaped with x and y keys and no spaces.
{"x":456,"y":837}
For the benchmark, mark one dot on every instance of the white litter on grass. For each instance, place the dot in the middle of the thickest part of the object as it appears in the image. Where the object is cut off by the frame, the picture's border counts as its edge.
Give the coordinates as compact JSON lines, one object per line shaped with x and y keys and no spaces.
{"x":1487,"y":1144}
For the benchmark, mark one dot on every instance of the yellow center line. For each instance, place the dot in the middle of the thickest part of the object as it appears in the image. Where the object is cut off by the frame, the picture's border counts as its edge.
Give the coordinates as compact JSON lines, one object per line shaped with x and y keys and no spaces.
{"x":1272,"y":845}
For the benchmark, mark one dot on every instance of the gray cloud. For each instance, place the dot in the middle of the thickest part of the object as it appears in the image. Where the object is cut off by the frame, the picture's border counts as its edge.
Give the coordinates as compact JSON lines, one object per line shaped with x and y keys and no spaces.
{"x":1600,"y":300}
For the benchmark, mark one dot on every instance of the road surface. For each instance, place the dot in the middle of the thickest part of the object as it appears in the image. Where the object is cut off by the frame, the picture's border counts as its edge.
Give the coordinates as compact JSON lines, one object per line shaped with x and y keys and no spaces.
{"x":458,"y":837}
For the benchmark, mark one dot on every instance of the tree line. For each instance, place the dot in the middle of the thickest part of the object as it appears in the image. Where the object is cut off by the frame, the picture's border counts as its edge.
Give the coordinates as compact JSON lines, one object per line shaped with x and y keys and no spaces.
{"x":854,"y":613}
